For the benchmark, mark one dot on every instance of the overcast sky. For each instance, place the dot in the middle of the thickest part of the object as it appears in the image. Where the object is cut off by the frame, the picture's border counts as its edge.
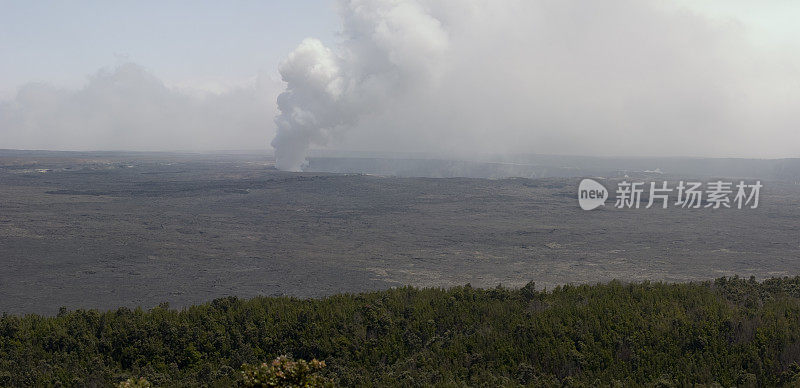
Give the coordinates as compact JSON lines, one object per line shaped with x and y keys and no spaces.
{"x":682,"y":77}
{"x":203,"y":44}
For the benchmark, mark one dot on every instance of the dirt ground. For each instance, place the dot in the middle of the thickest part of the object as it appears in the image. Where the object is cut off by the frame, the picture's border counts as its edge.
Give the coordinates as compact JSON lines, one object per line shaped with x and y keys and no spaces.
{"x":103,"y":230}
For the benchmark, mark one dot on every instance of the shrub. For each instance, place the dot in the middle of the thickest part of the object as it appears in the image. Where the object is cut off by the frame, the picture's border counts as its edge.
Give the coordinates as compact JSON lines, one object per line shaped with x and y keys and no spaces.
{"x":285,"y":372}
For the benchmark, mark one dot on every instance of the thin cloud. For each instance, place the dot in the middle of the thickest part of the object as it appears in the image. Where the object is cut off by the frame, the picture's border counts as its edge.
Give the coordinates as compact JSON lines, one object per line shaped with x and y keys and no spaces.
{"x":127,"y":107}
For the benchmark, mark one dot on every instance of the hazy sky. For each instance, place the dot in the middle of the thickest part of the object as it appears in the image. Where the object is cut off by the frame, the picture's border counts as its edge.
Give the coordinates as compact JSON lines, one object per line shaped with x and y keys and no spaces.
{"x":205,"y":44}
{"x":681,"y":77}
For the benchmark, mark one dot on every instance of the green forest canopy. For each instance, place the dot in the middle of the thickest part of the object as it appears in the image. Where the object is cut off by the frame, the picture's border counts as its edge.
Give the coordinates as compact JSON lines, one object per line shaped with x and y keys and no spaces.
{"x":730,"y":331}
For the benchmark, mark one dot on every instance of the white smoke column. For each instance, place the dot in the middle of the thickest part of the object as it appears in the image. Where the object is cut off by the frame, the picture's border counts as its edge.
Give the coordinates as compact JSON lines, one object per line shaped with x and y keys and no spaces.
{"x":390,"y":47}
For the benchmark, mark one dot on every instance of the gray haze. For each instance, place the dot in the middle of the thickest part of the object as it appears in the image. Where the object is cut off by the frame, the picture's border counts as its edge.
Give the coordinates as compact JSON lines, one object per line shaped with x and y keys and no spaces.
{"x":458,"y":77}
{"x":126,"y":107}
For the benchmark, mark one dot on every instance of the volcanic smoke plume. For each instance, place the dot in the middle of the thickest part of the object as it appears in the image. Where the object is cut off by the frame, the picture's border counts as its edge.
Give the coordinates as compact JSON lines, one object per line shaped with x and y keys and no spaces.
{"x":388,"y":48}
{"x":457,"y":78}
